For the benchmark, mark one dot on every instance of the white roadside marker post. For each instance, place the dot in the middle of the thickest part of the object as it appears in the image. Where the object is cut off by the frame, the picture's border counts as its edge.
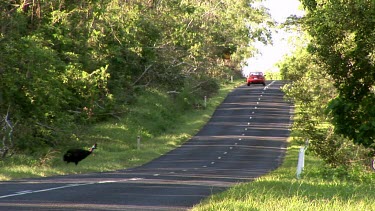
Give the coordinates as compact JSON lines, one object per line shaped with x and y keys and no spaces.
{"x":138,"y":142}
{"x":301,"y":159}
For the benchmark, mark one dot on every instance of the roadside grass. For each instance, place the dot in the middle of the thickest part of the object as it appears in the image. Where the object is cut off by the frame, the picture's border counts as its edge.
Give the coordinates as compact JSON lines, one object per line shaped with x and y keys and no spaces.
{"x":319,"y":189}
{"x":154,"y":117}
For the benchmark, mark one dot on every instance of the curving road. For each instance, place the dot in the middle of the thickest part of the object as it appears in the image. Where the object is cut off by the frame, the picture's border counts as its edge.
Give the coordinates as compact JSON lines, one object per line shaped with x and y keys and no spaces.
{"x":245,"y":138}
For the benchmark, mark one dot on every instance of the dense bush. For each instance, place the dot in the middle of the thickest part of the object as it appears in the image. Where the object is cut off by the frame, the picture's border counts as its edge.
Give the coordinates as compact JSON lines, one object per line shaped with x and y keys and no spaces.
{"x":65,"y":63}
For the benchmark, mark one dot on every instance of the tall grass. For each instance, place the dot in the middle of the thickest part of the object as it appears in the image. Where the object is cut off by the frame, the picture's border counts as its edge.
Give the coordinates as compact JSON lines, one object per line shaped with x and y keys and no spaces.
{"x":154,"y":117}
{"x":319,"y":189}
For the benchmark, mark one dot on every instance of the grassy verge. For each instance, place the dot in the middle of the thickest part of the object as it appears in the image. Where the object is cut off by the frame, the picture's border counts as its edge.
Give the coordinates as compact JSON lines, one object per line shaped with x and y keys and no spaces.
{"x":153,"y":117}
{"x":319,"y":189}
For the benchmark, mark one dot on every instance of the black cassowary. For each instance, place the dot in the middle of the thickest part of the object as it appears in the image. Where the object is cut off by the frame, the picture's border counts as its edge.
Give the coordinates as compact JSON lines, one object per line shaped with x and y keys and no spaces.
{"x":76,"y":155}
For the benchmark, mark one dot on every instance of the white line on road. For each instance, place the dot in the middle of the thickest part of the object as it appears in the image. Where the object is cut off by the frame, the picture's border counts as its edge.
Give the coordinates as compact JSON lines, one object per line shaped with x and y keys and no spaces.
{"x":266,"y":87}
{"x":62,"y":187}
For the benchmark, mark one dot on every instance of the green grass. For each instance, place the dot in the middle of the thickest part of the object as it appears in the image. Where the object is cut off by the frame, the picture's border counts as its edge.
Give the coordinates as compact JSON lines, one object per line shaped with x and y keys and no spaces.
{"x":319,"y":189}
{"x":153,"y":117}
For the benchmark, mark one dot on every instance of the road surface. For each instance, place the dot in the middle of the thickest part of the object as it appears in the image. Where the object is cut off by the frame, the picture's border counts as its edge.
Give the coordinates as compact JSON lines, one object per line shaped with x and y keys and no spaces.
{"x":245,"y":138}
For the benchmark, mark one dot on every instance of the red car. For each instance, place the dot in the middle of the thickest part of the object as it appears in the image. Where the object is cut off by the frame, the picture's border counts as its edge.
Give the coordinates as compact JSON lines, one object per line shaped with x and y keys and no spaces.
{"x":256,"y":78}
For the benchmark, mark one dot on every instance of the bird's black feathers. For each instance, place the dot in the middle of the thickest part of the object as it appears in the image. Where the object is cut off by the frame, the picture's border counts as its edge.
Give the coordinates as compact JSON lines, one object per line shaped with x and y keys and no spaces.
{"x":76,"y":155}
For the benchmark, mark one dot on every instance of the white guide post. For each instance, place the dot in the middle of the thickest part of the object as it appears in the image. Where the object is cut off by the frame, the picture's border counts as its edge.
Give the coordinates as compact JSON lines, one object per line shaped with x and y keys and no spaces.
{"x":139,"y":142}
{"x":301,"y":159}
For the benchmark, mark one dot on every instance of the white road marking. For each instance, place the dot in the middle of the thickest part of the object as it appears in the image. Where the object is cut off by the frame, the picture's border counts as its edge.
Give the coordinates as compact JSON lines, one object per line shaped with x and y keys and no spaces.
{"x":266,"y":87}
{"x":219,"y":158}
{"x":43,"y":190}
{"x":225,"y":153}
{"x":24,"y":192}
{"x":108,"y":181}
{"x":63,"y":187}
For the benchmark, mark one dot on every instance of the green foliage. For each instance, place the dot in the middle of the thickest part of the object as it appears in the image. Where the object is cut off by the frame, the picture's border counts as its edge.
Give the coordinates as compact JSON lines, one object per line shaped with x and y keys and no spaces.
{"x":155,"y":116}
{"x":273,"y":75}
{"x":331,"y":81}
{"x":312,"y":92}
{"x":65,"y":63}
{"x":343,"y":39}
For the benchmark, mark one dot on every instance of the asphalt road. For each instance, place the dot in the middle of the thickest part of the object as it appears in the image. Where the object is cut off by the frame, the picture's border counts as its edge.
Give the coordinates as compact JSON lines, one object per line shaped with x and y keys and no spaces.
{"x":245,"y":138}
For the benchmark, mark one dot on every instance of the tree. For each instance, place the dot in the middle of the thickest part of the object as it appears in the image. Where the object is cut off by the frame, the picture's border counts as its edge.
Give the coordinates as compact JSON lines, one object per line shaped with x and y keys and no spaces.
{"x":343,"y":39}
{"x":69,"y":62}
